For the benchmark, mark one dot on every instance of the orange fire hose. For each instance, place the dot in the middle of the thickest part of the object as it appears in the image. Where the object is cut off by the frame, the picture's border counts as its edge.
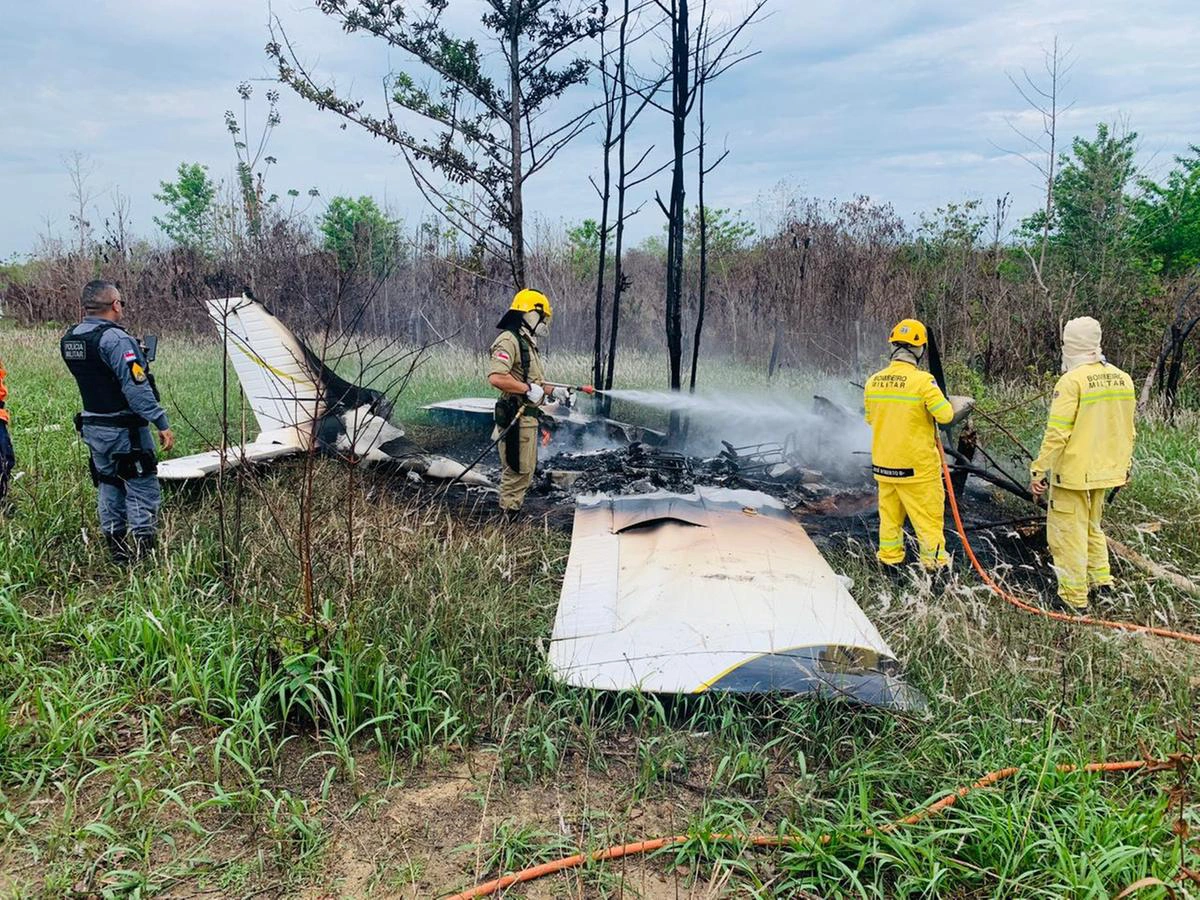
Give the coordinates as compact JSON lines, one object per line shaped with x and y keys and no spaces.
{"x":770,"y":840}
{"x":1036,"y":610}
{"x":774,"y":840}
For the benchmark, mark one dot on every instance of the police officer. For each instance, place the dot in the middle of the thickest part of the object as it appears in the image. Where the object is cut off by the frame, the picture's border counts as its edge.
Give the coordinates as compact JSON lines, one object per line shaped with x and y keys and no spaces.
{"x":903,"y":405}
{"x":119,"y":403}
{"x":1087,"y":450}
{"x":516,"y":371}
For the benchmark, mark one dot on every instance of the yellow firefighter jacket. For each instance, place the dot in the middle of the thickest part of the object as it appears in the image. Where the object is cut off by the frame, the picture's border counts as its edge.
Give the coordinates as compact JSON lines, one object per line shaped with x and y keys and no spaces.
{"x":902,"y":404}
{"x":1089,"y":434}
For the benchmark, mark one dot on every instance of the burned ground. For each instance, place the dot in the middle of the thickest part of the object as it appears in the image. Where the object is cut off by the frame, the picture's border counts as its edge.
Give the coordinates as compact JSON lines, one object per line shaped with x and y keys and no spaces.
{"x":836,"y":507}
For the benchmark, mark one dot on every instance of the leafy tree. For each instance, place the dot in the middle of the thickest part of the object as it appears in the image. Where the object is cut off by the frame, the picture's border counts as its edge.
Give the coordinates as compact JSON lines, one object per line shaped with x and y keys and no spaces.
{"x":1168,"y":218}
{"x":1095,"y":264}
{"x":189,"y":201}
{"x":584,"y":248}
{"x":250,"y":182}
{"x":473,"y":137}
{"x":1091,"y":226}
{"x":359,"y":235}
{"x":727,"y":231}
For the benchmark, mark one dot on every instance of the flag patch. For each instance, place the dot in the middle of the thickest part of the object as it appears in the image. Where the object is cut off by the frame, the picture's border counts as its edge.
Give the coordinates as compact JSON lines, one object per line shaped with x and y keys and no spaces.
{"x":500,"y":354}
{"x":130,"y":356}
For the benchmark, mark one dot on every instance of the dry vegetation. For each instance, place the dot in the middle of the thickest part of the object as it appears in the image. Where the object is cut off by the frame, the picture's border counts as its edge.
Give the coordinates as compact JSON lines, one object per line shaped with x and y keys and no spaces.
{"x":187,"y":728}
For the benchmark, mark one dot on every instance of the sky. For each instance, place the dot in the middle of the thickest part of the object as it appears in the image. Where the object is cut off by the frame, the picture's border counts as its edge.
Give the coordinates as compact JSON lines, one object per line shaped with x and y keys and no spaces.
{"x":909,"y":103}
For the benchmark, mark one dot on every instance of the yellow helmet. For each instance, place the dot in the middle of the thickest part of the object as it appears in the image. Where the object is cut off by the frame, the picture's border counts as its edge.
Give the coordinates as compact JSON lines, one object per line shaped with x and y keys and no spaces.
{"x":909,"y":331}
{"x":528,"y":300}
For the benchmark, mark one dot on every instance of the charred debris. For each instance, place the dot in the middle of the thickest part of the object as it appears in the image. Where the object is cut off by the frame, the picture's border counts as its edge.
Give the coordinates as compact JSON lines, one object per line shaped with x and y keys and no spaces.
{"x":832,"y":490}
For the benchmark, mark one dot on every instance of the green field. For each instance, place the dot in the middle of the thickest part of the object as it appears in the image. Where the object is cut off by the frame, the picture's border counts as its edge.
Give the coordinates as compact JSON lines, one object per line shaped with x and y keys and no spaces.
{"x":211,"y":726}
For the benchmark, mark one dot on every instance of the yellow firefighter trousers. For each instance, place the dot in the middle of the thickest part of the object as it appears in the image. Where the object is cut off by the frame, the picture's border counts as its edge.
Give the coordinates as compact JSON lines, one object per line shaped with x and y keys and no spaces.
{"x":1076,"y":542}
{"x":924,"y":504}
{"x":513,"y":484}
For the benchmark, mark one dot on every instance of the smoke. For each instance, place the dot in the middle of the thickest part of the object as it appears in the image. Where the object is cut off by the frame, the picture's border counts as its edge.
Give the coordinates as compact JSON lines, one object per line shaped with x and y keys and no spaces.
{"x":823,"y":428}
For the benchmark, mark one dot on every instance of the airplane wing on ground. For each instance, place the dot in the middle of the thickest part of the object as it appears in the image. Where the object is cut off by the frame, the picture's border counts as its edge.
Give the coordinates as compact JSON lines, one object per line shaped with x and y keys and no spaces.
{"x":718,"y":590}
{"x":201,"y":465}
{"x":297,"y":399}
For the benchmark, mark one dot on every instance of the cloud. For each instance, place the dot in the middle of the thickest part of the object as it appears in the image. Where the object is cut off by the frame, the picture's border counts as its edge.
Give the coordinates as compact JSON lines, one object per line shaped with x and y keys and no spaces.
{"x":907,"y":101}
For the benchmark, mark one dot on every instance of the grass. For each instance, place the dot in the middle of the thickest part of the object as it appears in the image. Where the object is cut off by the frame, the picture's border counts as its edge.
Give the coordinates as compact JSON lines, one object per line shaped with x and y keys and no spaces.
{"x":190,"y":727}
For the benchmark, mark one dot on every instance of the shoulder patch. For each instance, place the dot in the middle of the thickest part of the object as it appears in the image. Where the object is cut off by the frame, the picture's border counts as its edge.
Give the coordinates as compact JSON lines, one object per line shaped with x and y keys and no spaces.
{"x":136,"y":371}
{"x":501,"y":354}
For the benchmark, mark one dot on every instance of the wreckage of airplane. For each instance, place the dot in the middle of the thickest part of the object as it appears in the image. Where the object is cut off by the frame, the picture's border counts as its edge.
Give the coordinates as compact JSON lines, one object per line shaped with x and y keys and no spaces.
{"x":716,"y":590}
{"x":707,"y":588}
{"x":298,"y":400}
{"x":568,"y":423}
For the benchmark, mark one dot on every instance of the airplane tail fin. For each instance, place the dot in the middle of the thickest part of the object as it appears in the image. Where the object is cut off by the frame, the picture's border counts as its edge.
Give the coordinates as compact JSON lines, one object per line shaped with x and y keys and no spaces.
{"x":273,"y":368}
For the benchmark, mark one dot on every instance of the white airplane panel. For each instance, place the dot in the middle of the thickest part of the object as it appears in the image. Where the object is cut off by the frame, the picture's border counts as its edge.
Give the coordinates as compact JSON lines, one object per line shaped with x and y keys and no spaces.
{"x":200,"y":465}
{"x":269,"y":362}
{"x":716,"y":590}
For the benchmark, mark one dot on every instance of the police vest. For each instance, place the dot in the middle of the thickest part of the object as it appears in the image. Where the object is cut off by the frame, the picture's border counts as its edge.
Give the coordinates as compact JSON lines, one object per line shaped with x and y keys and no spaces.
{"x":99,"y":386}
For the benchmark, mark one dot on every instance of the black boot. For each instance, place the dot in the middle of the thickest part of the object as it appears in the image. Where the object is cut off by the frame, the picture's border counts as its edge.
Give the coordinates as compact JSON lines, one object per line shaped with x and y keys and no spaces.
{"x":1058,"y":604}
{"x":118,"y":547}
{"x":143,"y":545}
{"x":510,"y":516}
{"x":940,"y":578}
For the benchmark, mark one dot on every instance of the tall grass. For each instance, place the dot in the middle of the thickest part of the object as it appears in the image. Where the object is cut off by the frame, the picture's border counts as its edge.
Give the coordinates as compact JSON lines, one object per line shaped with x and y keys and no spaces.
{"x":175,"y":726}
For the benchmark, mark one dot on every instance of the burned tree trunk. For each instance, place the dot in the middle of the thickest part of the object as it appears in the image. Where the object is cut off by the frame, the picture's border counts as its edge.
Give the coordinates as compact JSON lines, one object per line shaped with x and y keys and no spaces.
{"x":1168,"y":369}
{"x":516,"y":207}
{"x":1179,"y":337}
{"x":609,"y":88}
{"x":680,"y":59}
{"x":703,"y":229}
{"x":968,"y":443}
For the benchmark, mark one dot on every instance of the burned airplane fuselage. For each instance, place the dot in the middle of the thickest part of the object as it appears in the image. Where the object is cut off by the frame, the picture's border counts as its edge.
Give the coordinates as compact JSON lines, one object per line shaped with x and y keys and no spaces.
{"x":300,"y":402}
{"x":568,"y":425}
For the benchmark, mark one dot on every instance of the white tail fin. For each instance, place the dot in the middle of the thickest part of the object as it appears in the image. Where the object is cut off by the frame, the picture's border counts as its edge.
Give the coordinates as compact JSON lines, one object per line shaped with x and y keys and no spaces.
{"x":272,"y":368}
{"x":285,"y":390}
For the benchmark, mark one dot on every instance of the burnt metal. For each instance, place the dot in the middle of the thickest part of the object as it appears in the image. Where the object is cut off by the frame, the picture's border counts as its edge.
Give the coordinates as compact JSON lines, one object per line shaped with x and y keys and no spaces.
{"x":850,"y":673}
{"x":968,"y":443}
{"x":835,"y":507}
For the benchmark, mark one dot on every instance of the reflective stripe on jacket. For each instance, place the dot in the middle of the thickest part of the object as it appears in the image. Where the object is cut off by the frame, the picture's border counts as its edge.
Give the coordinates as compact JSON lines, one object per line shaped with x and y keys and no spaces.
{"x":902,"y":404}
{"x":1090,"y":430}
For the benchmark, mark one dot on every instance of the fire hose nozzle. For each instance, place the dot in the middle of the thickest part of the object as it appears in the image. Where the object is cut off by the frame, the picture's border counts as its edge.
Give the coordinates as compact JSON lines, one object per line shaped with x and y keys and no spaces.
{"x":585,"y":388}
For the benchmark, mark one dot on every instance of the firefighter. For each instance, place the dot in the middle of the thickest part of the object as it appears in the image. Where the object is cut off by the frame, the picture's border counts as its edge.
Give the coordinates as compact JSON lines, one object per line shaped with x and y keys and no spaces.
{"x":120,"y":402}
{"x":903,"y":406}
{"x":7,"y":458}
{"x":1086,"y":451}
{"x":516,"y":371}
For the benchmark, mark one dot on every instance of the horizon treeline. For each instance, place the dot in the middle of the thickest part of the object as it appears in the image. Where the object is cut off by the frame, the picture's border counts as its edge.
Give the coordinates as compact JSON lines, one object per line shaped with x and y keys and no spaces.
{"x":815,"y":286}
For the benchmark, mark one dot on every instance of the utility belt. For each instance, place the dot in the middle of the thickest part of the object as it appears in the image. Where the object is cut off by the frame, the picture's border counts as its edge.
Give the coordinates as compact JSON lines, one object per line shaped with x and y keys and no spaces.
{"x":508,"y":408}
{"x":138,"y":462}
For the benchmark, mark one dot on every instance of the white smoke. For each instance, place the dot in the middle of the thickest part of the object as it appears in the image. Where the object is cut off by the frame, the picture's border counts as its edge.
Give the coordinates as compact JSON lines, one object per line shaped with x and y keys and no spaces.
{"x":834,"y":440}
